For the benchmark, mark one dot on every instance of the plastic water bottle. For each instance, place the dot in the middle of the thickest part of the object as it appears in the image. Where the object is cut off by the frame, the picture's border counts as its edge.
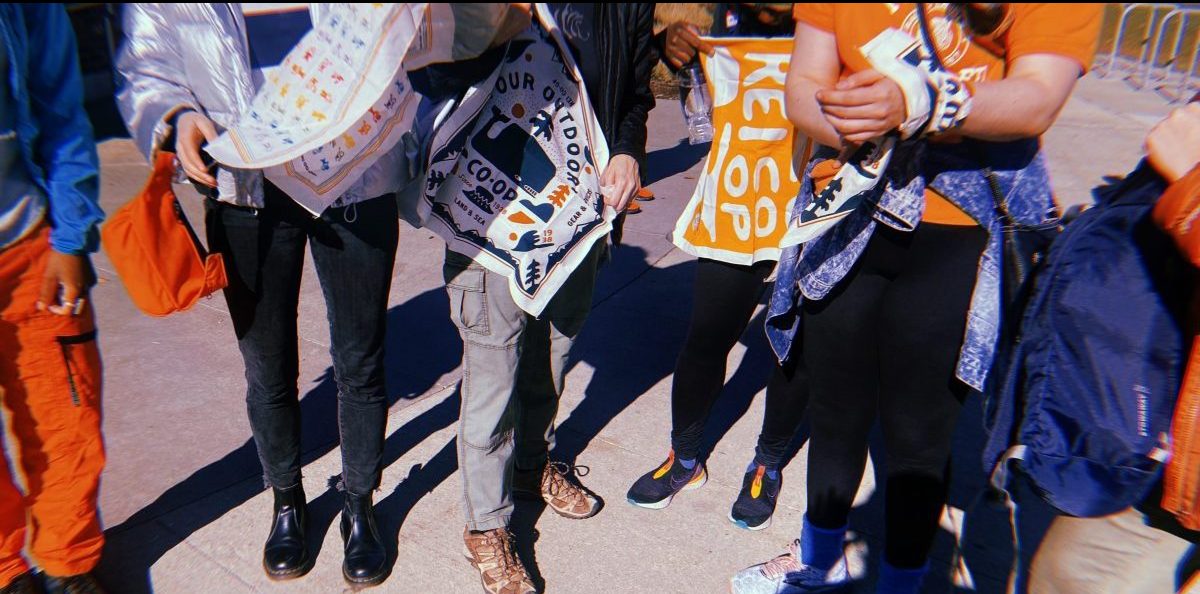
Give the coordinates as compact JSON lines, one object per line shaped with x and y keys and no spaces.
{"x":696,"y":102}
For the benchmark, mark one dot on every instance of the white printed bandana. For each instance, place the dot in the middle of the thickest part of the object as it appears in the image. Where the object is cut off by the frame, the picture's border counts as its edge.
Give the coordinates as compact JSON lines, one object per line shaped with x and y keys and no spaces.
{"x":514,"y":173}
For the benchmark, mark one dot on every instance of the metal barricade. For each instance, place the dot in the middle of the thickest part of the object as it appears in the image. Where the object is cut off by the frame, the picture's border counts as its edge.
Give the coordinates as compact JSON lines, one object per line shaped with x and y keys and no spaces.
{"x":1183,"y":92}
{"x":1113,"y":62}
{"x":1164,"y":25}
{"x":1152,"y":71}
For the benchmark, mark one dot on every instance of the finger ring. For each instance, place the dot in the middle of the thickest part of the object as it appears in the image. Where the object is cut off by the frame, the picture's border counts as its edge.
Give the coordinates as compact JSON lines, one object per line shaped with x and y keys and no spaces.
{"x":74,"y":307}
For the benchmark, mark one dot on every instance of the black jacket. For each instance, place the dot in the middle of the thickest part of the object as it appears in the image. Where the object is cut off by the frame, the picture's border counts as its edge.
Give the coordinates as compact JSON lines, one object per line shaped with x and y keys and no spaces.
{"x":623,"y":99}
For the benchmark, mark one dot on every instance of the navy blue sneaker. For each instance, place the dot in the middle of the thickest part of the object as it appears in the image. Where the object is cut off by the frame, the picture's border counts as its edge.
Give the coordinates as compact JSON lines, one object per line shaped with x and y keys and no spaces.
{"x":755,"y":503}
{"x":656,"y":489}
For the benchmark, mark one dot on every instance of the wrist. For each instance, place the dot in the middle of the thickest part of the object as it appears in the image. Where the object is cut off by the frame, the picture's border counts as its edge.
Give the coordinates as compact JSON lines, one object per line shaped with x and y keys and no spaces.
{"x":171,"y":125}
{"x":951,"y":104}
{"x":173,"y":118}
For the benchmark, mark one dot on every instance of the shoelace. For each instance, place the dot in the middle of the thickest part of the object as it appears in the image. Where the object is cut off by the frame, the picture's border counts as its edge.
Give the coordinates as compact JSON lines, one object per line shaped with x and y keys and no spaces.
{"x":502,"y":542}
{"x":559,"y":471}
{"x":784,"y":563}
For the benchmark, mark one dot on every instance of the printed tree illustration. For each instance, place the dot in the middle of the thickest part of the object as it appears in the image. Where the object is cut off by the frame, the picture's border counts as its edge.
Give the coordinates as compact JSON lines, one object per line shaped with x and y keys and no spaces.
{"x":533,"y":274}
{"x":560,"y":195}
{"x":824,"y":200}
{"x":542,"y":124}
{"x":435,"y":180}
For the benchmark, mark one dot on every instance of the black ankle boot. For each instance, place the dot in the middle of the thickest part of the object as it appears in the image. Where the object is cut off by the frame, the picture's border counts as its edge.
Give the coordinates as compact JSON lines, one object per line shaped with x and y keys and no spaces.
{"x":285,"y":555}
{"x":366,"y":558}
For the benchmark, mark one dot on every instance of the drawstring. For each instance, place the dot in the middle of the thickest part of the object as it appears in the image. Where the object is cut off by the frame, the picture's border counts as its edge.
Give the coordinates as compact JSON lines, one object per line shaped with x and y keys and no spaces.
{"x":351,"y":213}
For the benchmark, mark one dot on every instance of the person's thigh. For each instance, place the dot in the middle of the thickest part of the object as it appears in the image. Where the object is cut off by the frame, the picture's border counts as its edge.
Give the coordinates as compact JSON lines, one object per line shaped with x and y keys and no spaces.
{"x":1117,"y":554}
{"x":724,"y":297}
{"x":842,"y":356}
{"x":264,"y":261}
{"x":354,"y":256}
{"x":921,"y":330}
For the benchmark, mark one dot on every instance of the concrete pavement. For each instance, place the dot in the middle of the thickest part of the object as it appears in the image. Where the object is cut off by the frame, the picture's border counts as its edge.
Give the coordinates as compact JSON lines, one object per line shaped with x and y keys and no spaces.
{"x":182,"y":495}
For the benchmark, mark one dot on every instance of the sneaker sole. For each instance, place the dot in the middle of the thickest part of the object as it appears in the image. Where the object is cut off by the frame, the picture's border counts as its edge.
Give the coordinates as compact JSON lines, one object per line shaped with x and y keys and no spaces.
{"x":531,"y":496}
{"x":570,"y":516}
{"x":471,"y":560}
{"x":744,"y":526}
{"x":811,"y":589}
{"x":691,"y":486}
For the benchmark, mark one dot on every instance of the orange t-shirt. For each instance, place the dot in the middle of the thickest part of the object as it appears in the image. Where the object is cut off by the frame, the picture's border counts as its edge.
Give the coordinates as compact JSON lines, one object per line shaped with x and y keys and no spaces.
{"x":1070,"y":30}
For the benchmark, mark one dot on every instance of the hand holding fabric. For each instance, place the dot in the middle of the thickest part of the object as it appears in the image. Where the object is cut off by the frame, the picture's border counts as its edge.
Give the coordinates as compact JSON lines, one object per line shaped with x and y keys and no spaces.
{"x":682,"y":43}
{"x":863,"y":106}
{"x":620,"y":181}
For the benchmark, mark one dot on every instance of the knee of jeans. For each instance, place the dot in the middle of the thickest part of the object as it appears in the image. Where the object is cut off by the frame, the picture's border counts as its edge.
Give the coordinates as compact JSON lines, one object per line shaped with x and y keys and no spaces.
{"x":490,"y":444}
{"x":271,"y":393}
{"x":362,"y":392}
{"x":485,"y":433}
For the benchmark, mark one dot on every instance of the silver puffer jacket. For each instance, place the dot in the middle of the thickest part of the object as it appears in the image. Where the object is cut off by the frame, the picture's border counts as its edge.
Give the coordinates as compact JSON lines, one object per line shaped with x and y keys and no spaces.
{"x":195,"y":56}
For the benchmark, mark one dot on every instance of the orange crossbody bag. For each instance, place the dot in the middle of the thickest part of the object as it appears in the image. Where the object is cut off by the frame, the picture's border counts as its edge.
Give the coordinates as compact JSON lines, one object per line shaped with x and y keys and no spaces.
{"x":155,"y":250}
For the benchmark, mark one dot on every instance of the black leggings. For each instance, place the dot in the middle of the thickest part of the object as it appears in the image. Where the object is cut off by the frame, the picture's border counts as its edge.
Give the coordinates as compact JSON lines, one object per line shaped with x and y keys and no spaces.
{"x":886,"y":342}
{"x":724,"y":299}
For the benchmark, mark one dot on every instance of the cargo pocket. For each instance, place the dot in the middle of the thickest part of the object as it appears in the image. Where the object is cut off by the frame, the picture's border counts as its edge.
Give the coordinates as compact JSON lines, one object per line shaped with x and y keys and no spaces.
{"x":81,"y":359}
{"x":468,"y":299}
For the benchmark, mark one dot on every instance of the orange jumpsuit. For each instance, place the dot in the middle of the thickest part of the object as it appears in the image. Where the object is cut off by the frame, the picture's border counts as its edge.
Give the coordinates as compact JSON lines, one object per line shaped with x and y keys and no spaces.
{"x":50,"y":391}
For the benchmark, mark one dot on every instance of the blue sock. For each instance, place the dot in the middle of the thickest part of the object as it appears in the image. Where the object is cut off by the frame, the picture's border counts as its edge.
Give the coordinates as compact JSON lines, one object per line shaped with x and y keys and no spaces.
{"x":893,"y":580}
{"x":688,"y":464}
{"x":821,"y":547}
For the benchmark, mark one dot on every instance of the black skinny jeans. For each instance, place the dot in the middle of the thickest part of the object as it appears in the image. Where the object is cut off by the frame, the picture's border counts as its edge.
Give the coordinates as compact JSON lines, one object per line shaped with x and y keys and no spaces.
{"x":886,"y":343}
{"x":724,"y":298}
{"x":264,"y":258}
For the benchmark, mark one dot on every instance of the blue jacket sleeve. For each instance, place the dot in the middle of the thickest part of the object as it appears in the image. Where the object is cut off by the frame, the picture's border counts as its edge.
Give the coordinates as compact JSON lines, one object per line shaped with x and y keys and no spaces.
{"x":65,"y":148}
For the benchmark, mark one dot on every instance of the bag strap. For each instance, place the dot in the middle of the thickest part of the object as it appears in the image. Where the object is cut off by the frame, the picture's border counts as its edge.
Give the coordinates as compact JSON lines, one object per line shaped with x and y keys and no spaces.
{"x":927,"y":38}
{"x":164,"y":174}
{"x":993,"y":180}
{"x":164,"y":167}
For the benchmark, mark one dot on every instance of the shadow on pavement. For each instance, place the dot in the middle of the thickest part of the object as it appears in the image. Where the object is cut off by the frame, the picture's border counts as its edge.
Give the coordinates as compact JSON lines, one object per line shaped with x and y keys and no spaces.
{"x":633,"y":345}
{"x":414,"y":366}
{"x":667,"y":162}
